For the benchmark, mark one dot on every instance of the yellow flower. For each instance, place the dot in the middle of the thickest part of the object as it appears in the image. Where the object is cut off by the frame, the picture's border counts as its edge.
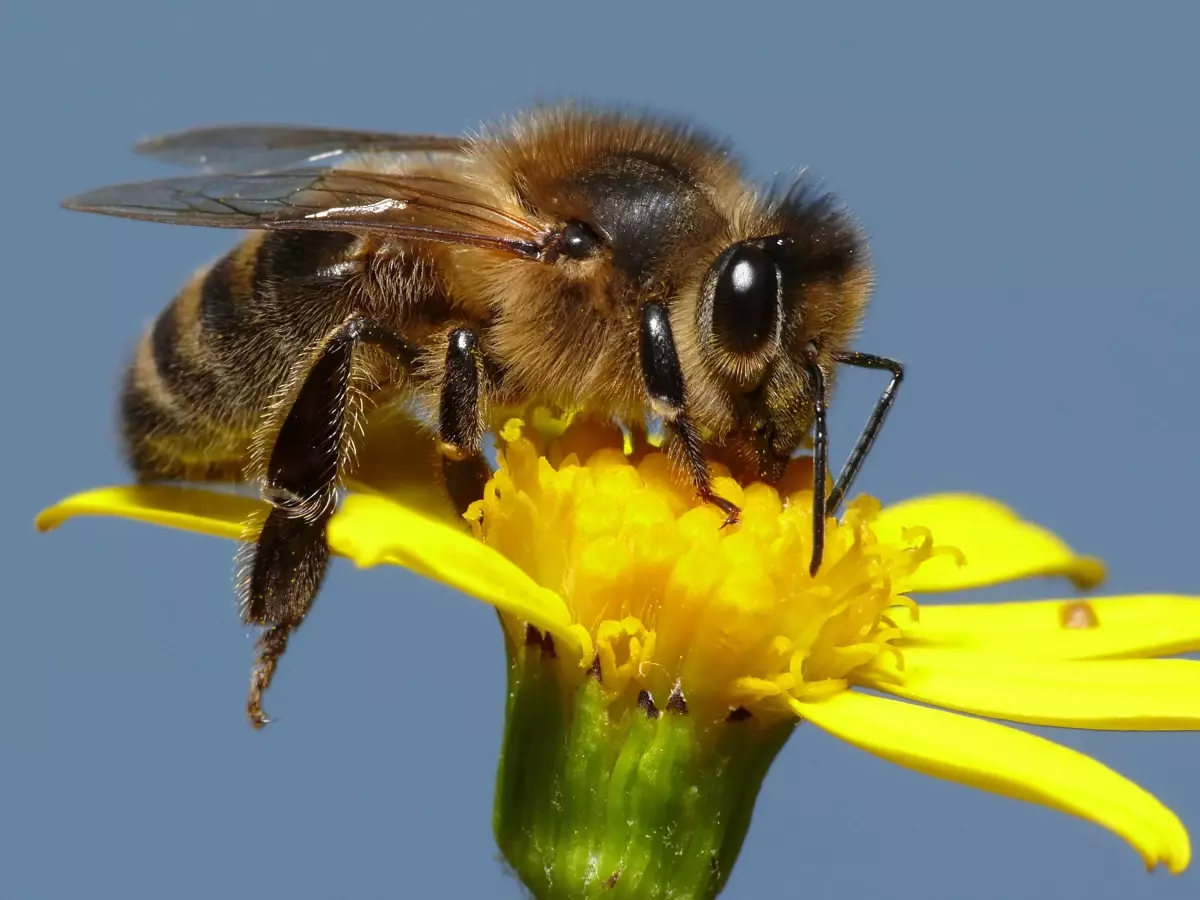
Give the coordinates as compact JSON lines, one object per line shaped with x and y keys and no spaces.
{"x":600,"y":560}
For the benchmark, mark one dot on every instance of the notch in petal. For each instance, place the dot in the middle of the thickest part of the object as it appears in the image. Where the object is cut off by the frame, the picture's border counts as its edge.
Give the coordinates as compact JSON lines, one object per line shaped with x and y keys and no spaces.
{"x":1129,"y":627}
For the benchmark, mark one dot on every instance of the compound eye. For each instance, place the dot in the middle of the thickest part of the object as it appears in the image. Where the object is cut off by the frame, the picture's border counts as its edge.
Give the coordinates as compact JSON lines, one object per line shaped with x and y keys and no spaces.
{"x":746,"y":299}
{"x":579,"y":240}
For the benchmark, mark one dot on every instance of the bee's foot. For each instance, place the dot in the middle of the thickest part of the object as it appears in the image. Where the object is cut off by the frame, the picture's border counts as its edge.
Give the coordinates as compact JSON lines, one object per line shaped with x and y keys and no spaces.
{"x":254,"y":711}
{"x":259,"y":679}
{"x":732,"y":513}
{"x":271,"y":645}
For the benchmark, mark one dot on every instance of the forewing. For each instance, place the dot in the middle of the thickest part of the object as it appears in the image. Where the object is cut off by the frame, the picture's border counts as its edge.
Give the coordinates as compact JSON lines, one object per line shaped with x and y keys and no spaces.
{"x":260,"y":148}
{"x":419,"y":207}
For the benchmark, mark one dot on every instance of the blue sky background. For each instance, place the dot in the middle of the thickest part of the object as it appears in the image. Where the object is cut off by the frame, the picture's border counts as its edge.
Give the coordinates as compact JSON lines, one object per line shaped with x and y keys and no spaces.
{"x":1029,"y":178}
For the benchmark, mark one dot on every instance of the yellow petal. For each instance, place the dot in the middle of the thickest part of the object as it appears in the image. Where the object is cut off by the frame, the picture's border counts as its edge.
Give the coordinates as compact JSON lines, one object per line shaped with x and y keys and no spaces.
{"x":996,"y":545}
{"x":368,"y":529}
{"x":372,"y":530}
{"x":397,"y":457}
{"x":1121,"y":695}
{"x":207,"y":512}
{"x":1143,"y":625}
{"x":1004,"y":761}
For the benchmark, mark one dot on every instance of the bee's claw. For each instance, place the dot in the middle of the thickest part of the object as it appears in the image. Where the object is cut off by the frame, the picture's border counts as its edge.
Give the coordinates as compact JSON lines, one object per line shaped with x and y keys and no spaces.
{"x":254,"y":711}
{"x":814,"y":565}
{"x":733,"y":514}
{"x":258,"y":718}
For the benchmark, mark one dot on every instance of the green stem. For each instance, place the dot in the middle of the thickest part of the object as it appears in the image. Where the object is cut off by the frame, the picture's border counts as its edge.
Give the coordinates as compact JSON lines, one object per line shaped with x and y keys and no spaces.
{"x":599,"y":797}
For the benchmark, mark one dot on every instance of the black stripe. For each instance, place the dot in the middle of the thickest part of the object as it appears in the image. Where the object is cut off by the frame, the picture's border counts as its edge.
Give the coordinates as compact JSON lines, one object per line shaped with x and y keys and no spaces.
{"x":221,"y":314}
{"x":290,"y":305}
{"x":302,"y":260}
{"x":189,"y":380}
{"x":143,"y":420}
{"x":154,"y":434}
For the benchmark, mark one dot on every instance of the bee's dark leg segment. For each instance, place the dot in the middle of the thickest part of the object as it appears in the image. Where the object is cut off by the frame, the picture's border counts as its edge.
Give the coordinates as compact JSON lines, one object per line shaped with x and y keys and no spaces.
{"x":291,"y":553}
{"x":668,"y":397}
{"x":820,"y":465}
{"x":460,"y":425}
{"x":874,"y":424}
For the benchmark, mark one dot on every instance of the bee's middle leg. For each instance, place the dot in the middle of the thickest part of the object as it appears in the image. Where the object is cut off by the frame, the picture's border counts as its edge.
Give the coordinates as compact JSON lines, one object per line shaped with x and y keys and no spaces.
{"x":291,"y":554}
{"x":460,"y":421}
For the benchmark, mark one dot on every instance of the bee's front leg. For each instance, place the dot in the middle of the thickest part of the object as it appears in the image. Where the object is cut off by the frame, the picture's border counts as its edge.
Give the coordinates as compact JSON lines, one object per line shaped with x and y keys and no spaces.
{"x":291,"y":554}
{"x":668,"y":397}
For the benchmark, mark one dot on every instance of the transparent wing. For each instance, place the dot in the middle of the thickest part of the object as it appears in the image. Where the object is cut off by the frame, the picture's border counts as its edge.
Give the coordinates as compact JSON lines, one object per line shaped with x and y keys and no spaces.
{"x":227,"y":148}
{"x":419,"y":207}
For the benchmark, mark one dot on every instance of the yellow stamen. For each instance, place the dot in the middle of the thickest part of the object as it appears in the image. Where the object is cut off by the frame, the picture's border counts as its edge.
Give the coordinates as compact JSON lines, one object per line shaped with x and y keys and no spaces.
{"x":669,"y":597}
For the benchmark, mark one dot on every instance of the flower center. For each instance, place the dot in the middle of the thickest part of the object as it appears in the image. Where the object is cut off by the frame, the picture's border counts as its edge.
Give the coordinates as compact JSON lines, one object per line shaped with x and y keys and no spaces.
{"x":672,"y":607}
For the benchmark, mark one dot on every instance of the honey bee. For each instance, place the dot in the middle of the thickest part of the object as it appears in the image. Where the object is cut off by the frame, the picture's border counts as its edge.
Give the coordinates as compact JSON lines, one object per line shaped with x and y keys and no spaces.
{"x":571,"y":257}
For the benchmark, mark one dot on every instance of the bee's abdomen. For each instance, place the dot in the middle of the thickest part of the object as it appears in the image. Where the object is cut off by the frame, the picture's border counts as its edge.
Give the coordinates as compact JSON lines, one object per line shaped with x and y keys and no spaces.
{"x":206,"y":369}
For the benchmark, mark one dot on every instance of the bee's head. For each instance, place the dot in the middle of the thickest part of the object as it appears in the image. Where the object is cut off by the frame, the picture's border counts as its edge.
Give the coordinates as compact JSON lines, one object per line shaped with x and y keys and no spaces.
{"x":654,"y":236}
{"x":769,"y":310}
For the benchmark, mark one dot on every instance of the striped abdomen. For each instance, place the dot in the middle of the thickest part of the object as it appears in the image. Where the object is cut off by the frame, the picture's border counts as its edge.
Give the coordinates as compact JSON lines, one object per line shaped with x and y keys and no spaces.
{"x":205,"y":371}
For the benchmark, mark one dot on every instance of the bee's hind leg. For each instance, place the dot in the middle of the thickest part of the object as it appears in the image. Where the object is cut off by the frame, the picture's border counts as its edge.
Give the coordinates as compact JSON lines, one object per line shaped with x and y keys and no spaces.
{"x":460,"y":424}
{"x":291,"y":554}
